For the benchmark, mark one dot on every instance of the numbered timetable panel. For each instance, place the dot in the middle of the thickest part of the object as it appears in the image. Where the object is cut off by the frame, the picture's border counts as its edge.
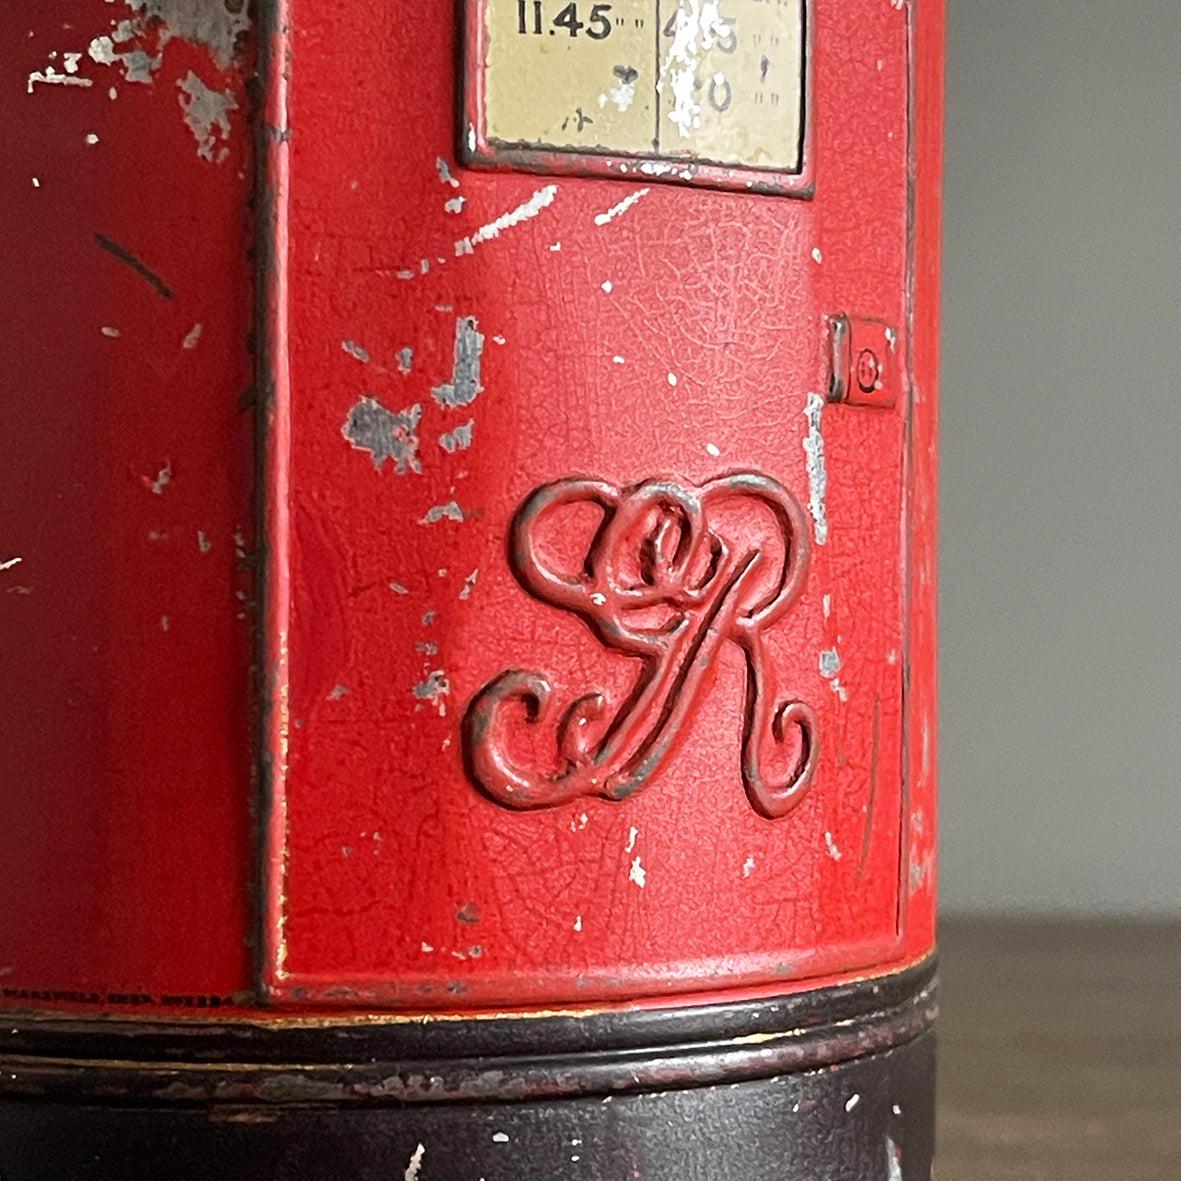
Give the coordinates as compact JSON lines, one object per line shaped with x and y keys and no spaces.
{"x":713,"y":93}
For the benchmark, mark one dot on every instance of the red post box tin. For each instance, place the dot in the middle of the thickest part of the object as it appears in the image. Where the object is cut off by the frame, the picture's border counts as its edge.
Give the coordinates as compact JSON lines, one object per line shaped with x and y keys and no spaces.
{"x":468,"y":588}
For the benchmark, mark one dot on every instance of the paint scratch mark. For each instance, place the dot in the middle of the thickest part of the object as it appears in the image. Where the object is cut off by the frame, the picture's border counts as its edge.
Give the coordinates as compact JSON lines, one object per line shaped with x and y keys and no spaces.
{"x":125,"y":256}
{"x":637,"y":874}
{"x":817,"y":477}
{"x":527,"y":209}
{"x":162,"y":480}
{"x":371,"y":427}
{"x":50,"y":76}
{"x":412,"y":1169}
{"x":893,"y":1161}
{"x":8,"y":563}
{"x":449,"y":511}
{"x":464,"y":385}
{"x":194,"y":335}
{"x":355,"y":350}
{"x":831,"y":845}
{"x":601,"y":219}
{"x":469,"y":584}
{"x":444,"y":171}
{"x":873,"y":784}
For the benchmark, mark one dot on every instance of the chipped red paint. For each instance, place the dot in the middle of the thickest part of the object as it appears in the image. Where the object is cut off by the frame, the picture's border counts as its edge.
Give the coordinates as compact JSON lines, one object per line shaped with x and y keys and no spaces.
{"x":126,"y":489}
{"x":498,"y":339}
{"x":687,"y":335}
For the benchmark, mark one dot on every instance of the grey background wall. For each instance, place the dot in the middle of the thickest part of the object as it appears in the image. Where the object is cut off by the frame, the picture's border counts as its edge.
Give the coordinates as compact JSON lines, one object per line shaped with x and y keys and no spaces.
{"x":1061,"y":477}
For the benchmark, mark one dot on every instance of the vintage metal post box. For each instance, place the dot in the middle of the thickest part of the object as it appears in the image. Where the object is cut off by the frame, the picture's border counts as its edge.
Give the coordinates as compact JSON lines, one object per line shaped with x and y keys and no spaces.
{"x":468,"y":588}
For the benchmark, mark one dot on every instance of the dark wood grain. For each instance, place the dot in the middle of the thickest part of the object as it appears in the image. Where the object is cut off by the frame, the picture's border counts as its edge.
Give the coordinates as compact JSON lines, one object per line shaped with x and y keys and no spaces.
{"x":1059,"y":1051}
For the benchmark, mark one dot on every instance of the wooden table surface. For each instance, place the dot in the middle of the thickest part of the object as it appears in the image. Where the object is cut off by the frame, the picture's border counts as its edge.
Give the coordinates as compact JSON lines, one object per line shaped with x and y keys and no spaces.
{"x":1059,"y":1051}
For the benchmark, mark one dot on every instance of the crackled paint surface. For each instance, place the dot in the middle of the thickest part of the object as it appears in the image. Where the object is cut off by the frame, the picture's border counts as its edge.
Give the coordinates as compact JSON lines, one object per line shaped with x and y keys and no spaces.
{"x":564,"y":329}
{"x":456,"y":340}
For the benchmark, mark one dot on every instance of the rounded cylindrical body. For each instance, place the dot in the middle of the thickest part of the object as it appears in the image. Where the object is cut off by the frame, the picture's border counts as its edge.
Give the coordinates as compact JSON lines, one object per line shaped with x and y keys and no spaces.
{"x":468,"y":602}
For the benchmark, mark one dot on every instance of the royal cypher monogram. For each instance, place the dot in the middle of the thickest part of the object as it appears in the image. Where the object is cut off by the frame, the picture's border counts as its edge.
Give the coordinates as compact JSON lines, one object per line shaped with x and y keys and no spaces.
{"x":671,"y":573}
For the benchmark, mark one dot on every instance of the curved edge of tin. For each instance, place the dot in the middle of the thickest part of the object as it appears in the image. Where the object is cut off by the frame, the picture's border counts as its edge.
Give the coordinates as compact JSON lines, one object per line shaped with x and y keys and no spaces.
{"x":606,"y":1053}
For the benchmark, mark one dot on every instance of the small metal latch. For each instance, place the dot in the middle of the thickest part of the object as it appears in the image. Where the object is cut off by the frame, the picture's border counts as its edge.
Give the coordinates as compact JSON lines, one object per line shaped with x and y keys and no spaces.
{"x":864,"y":364}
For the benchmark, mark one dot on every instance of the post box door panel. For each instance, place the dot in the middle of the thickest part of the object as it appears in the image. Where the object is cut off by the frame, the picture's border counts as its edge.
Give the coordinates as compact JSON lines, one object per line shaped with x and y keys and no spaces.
{"x":588,"y":604}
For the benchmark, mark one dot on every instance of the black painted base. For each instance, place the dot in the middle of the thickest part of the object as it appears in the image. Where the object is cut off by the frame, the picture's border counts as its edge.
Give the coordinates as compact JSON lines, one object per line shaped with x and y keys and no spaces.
{"x":730,"y":1108}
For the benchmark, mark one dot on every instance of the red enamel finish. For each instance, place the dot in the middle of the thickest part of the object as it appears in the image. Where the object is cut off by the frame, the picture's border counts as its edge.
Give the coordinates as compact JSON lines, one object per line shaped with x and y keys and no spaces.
{"x":126,"y":490}
{"x":678,"y":341}
{"x":746,"y":807}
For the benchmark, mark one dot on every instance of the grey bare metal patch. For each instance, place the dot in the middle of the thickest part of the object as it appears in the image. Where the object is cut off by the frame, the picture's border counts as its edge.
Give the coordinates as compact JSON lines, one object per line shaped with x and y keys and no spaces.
{"x":216,"y":24}
{"x":814,"y":459}
{"x":449,"y":511}
{"x":465,"y":377}
{"x":207,"y":112}
{"x":385,"y":434}
{"x":137,"y":64}
{"x":459,"y":439}
{"x":434,"y":689}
